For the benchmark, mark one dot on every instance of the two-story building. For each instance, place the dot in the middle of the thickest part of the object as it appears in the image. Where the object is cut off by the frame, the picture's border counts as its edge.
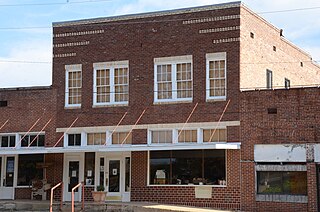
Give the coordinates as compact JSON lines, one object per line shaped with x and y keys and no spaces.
{"x":148,"y":105}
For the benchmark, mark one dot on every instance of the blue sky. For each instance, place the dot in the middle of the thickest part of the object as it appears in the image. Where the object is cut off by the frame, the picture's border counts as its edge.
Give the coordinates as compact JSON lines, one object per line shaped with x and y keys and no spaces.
{"x":19,"y":42}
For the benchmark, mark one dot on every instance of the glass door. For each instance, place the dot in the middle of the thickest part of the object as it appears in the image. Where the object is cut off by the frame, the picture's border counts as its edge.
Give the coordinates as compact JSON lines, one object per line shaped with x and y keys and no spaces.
{"x":114,"y":175}
{"x":73,"y":173}
{"x":7,"y":174}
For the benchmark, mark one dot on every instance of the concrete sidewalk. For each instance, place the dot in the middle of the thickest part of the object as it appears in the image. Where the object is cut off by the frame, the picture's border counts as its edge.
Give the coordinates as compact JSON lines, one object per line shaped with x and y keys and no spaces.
{"x":29,"y":205}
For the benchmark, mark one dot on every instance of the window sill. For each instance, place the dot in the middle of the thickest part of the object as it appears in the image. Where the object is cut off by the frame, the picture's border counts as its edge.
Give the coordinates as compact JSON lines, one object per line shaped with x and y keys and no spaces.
{"x":72,"y":107}
{"x":216,"y":99}
{"x":281,"y":198}
{"x":172,"y":102}
{"x":110,"y":105}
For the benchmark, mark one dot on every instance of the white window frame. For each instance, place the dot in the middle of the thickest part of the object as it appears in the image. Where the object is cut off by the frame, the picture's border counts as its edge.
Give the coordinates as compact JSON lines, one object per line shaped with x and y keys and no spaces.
{"x":215,"y":57}
{"x":93,"y":145}
{"x":83,"y":141}
{"x":213,"y":128}
{"x":149,"y":136}
{"x":71,"y":68}
{"x":173,"y":61}
{"x":29,"y":140}
{"x":8,"y":135}
{"x":111,"y":66}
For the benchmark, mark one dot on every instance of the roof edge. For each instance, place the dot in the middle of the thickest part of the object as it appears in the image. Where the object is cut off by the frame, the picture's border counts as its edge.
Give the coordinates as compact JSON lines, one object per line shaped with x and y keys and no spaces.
{"x":244,"y":6}
{"x":148,"y":14}
{"x":26,"y":88}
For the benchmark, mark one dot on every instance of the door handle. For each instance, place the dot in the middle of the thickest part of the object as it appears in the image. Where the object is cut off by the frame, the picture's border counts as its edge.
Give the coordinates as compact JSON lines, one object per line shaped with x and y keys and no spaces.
{"x":68,"y":180}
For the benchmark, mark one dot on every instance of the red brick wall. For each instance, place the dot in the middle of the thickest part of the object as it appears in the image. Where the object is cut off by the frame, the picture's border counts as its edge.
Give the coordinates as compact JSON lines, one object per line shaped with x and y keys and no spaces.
{"x":257,"y":55}
{"x":25,"y":107}
{"x":140,"y":44}
{"x":224,"y":198}
{"x":22,"y":193}
{"x":297,"y":122}
{"x":55,"y":172}
{"x":87,"y":193}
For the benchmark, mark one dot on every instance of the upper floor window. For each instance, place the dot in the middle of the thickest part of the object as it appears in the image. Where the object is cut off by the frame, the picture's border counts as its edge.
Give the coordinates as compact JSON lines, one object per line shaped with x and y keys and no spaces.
{"x":173,"y":78}
{"x":7,"y":140}
{"x":74,"y":139}
{"x":111,"y":83}
{"x":269,"y":79}
{"x":161,"y":136}
{"x":216,"y":71}
{"x":187,"y":136}
{"x":73,"y":85}
{"x":214,"y":135}
{"x":32,"y":140}
{"x":96,"y":138}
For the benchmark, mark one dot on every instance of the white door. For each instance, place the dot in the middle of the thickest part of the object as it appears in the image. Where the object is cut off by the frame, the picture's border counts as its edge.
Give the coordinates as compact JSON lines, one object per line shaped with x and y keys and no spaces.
{"x":7,"y":173}
{"x":72,"y":175}
{"x":114,"y":176}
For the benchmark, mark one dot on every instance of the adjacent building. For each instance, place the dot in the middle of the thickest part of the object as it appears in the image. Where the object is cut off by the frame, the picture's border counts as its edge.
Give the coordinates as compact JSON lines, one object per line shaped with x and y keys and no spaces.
{"x":154,"y":107}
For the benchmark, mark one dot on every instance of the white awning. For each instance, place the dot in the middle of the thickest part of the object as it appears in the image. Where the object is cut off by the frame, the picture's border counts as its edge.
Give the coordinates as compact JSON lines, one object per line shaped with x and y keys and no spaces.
{"x":119,"y":148}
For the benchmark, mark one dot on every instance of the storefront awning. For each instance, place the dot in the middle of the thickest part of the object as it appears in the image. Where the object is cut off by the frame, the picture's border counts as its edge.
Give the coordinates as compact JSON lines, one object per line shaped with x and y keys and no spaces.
{"x":119,"y":148}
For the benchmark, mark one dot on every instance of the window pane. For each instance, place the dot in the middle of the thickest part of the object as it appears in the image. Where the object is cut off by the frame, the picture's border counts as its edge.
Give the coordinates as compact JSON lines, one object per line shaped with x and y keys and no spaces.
{"x":103,"y":85}
{"x":121,"y":138}
{"x":127,"y":174}
{"x":184,"y":80}
{"x":220,"y":135}
{"x":187,"y":167}
{"x":186,"y":136}
{"x":74,"y":139}
{"x":89,"y":168}
{"x":74,"y":87}
{"x":25,"y":141}
{"x":161,"y":136}
{"x":214,"y":167}
{"x":217,"y":78}
{"x":183,"y":167}
{"x":4,"y":141}
{"x":164,"y":82}
{"x":292,"y":183}
{"x":12,"y":141}
{"x":28,"y":169}
{"x":159,"y":167}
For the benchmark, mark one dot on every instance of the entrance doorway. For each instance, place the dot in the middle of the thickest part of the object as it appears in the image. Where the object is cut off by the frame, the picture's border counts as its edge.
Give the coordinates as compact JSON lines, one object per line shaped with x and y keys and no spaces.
{"x":7,"y":174}
{"x":72,"y":174}
{"x":115,"y":174}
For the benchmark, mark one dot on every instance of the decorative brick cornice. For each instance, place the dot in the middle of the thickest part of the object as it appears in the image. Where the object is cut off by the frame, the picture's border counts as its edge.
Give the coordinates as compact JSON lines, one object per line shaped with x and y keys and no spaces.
{"x":81,"y":43}
{"x":149,"y":15}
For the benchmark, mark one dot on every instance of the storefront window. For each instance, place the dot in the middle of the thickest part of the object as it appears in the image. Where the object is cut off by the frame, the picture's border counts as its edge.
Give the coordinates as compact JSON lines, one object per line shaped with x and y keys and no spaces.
{"x":28,"y":169}
{"x":160,"y":167}
{"x":188,"y":167}
{"x":275,"y":182}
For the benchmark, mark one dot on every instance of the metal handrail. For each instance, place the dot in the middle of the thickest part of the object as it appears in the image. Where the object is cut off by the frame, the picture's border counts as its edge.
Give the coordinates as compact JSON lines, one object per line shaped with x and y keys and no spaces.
{"x":82,"y":195}
{"x":51,"y":197}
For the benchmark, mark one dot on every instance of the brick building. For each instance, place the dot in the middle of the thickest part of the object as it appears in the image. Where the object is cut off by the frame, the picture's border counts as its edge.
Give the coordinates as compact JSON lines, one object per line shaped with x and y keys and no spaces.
{"x":149,"y":105}
{"x":280,"y":150}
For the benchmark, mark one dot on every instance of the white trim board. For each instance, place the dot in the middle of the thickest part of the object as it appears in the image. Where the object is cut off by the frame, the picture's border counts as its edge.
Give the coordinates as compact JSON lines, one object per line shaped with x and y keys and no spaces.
{"x":150,"y":126}
{"x":122,"y":148}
